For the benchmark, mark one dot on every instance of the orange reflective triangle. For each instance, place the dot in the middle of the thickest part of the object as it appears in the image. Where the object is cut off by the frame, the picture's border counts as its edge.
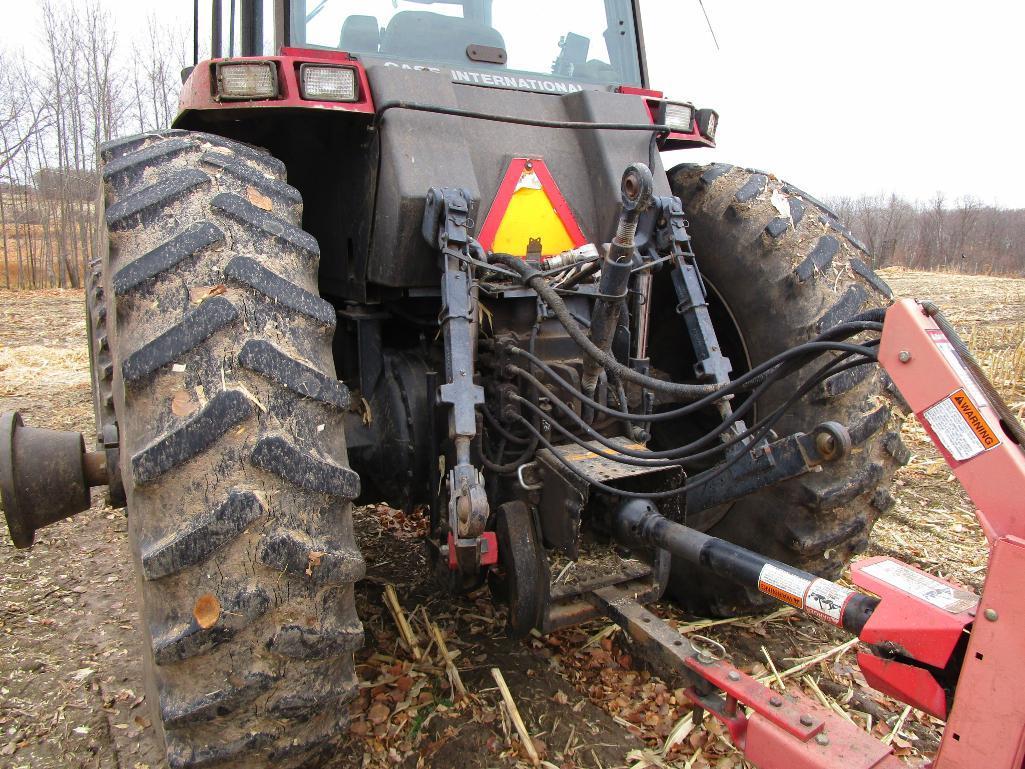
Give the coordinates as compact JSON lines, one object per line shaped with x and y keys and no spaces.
{"x":529,"y":213}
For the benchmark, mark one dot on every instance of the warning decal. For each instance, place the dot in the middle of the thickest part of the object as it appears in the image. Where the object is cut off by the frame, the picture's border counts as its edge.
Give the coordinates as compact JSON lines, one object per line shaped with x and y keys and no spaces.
{"x":529,"y":215}
{"x":960,"y":426}
{"x":783,"y":585}
{"x":922,"y":586}
{"x":826,"y":600}
{"x":974,"y":419}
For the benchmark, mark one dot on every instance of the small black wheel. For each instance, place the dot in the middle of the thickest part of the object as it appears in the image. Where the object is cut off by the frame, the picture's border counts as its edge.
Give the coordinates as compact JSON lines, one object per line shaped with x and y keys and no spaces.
{"x":521,"y":579}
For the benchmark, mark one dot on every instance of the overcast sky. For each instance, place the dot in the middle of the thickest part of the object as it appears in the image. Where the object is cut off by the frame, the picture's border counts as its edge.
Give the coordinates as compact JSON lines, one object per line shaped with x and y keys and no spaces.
{"x":841,"y":98}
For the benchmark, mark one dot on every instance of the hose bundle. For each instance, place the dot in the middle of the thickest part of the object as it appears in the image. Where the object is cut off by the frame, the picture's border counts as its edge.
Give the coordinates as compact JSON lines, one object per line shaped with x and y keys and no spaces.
{"x":696,"y":397}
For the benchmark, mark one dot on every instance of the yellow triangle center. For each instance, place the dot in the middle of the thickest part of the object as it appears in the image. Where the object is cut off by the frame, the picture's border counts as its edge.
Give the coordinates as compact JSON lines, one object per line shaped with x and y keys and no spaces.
{"x":531,"y":216}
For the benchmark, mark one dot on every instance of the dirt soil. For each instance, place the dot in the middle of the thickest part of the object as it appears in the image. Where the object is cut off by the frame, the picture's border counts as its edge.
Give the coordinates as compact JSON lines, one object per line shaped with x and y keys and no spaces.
{"x":70,"y":690}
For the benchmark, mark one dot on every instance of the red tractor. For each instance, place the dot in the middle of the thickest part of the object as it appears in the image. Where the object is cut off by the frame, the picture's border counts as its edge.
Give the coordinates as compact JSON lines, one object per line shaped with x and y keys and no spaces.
{"x":426,"y":252}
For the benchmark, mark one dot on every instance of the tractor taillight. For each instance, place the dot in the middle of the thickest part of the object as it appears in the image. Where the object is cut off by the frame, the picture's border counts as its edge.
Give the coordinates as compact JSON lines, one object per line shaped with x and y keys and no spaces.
{"x":247,"y":80}
{"x":708,"y":121}
{"x":678,"y":116}
{"x":326,"y":83}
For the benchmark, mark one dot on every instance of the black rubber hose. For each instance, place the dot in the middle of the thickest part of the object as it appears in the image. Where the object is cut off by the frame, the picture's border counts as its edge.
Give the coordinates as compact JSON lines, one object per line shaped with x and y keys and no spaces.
{"x":748,"y":381}
{"x":697,"y":480}
{"x":680,"y":453}
{"x":767,"y":423}
{"x":535,"y":280}
{"x":676,"y":454}
{"x":492,"y":420}
{"x":508,"y":467}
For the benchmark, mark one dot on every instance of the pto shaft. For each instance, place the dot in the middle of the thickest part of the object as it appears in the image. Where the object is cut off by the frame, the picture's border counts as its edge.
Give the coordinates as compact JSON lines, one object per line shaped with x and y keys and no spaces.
{"x":637,"y":521}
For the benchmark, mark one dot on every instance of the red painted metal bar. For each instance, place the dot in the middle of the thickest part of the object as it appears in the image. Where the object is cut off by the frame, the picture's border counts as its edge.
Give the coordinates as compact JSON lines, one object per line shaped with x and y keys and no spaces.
{"x":924,"y":367}
{"x":986,"y":726}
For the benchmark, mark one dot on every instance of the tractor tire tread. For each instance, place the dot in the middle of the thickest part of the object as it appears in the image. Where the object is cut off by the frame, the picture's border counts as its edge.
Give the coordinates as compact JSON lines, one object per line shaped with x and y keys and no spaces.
{"x":266,"y":223}
{"x":200,"y":537}
{"x":799,"y":280}
{"x":251,"y":273}
{"x":190,"y":243}
{"x":143,"y":206}
{"x":264,"y":358}
{"x":234,"y":458}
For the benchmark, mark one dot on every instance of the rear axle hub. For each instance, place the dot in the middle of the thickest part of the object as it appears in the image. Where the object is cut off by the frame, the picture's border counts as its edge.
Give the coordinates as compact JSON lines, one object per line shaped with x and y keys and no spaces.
{"x":45,"y":476}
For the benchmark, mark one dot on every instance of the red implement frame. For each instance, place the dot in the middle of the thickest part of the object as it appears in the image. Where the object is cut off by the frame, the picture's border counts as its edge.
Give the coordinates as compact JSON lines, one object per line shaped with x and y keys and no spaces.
{"x":920,"y":618}
{"x":986,"y":725}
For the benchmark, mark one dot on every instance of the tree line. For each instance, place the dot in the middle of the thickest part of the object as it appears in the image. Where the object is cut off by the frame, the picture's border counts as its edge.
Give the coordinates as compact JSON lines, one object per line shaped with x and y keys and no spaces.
{"x":74,"y":85}
{"x":963,"y":235}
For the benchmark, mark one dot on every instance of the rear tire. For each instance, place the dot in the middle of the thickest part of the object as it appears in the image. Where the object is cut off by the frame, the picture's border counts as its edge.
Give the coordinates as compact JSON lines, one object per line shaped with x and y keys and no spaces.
{"x":786,"y":270}
{"x":232,"y":452}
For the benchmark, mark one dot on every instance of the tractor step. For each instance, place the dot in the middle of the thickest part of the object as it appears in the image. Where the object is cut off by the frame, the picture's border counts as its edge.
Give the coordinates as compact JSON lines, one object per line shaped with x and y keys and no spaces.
{"x":596,"y":462}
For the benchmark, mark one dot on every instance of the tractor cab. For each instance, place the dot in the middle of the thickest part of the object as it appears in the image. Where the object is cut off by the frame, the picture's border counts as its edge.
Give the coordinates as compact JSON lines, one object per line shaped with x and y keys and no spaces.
{"x":589,"y":43}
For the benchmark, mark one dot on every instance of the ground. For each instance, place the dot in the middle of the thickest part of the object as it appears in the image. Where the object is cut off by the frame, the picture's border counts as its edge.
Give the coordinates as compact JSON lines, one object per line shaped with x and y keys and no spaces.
{"x":70,"y":691}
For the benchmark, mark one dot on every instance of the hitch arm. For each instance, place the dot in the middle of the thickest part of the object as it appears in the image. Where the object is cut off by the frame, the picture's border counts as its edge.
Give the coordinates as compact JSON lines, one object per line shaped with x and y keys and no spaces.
{"x":766,"y":464}
{"x":447,"y":219}
{"x":782,"y":731}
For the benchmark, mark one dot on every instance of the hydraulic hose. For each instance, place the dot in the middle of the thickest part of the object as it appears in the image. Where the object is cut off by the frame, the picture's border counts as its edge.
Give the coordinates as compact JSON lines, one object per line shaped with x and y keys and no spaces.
{"x":763,"y":427}
{"x":785,"y":362}
{"x":680,"y":454}
{"x":533,"y":278}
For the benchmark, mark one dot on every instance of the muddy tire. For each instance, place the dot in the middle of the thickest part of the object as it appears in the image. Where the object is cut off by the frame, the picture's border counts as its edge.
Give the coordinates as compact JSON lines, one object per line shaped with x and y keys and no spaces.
{"x":232,"y":452}
{"x":786,"y":269}
{"x":102,"y":368}
{"x":102,"y":376}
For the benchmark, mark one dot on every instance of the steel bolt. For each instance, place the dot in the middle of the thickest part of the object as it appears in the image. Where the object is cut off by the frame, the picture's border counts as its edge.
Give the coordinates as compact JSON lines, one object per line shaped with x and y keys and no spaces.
{"x":903,"y":356}
{"x":991,"y":615}
{"x":775,"y":701}
{"x":733,"y":675}
{"x":821,"y":738}
{"x":806,"y":720}
{"x":705,"y":659}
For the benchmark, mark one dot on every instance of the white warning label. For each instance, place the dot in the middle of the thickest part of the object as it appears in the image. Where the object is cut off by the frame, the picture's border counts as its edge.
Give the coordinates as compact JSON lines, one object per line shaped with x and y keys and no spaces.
{"x":946,"y":348}
{"x":954,"y":432}
{"x":929,"y":589}
{"x":783,"y":585}
{"x":827,"y":600}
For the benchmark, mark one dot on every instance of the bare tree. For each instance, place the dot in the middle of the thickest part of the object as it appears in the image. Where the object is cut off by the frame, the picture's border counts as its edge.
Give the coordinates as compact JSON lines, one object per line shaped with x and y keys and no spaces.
{"x":965,"y":236}
{"x":156,"y":74}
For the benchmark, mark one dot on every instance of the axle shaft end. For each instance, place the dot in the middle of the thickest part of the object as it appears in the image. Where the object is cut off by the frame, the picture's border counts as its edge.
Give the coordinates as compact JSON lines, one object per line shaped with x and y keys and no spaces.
{"x":45,"y":476}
